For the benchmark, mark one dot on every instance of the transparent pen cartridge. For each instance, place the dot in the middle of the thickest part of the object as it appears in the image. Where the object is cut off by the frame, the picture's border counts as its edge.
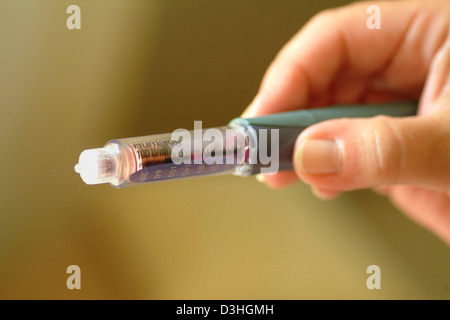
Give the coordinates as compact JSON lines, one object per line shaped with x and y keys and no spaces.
{"x":176,"y":155}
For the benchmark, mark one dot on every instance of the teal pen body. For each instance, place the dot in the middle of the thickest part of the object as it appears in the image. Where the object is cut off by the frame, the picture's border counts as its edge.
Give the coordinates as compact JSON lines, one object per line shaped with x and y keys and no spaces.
{"x":291,"y":124}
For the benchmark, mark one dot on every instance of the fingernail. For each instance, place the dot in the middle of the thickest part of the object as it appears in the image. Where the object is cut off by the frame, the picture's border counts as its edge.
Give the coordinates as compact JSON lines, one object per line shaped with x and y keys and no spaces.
{"x":316,"y":156}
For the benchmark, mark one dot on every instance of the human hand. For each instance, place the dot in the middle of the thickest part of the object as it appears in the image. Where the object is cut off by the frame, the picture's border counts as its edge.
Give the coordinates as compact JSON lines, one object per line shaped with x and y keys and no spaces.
{"x":336,"y":59}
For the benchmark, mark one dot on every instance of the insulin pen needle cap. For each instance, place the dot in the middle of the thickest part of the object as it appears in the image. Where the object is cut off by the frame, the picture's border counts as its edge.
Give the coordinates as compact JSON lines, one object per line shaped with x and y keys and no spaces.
{"x":96,"y":166}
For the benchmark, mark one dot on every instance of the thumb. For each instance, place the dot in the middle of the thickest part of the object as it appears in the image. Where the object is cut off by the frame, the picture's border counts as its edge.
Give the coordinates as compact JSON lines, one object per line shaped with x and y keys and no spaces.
{"x":348,"y":154}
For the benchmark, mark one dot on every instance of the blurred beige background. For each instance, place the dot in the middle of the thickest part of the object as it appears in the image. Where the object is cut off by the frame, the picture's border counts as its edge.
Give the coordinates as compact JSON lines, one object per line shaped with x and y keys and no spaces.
{"x":144,"y":67}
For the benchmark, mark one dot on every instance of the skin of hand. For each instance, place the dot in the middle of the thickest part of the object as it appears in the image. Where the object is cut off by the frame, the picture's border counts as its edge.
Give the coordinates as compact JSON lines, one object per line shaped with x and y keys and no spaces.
{"x":336,"y":59}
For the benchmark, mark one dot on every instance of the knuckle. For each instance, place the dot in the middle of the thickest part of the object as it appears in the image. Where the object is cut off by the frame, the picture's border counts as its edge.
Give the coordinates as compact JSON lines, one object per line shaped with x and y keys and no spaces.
{"x":386,"y":143}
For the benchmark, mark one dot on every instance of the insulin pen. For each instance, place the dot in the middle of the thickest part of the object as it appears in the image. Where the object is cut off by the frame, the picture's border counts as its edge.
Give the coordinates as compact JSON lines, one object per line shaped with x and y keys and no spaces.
{"x":244,"y":147}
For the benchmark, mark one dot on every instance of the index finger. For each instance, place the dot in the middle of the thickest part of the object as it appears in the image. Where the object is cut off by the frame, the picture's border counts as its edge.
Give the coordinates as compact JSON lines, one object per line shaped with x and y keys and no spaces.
{"x":336,"y":58}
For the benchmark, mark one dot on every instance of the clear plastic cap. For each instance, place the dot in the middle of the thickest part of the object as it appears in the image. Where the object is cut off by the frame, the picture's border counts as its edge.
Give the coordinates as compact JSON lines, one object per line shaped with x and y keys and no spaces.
{"x":96,"y":166}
